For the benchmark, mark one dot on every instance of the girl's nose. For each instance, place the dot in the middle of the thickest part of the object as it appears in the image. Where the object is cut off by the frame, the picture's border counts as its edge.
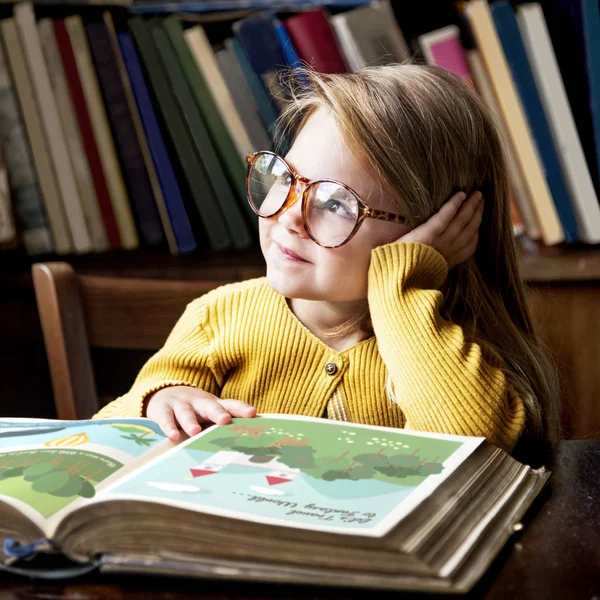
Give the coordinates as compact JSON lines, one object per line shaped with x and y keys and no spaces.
{"x":291,"y":218}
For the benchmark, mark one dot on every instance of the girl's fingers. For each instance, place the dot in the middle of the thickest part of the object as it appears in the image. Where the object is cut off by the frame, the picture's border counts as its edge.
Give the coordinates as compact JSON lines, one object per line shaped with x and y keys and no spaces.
{"x":167,"y":423}
{"x":438,"y":223}
{"x":237,"y":408}
{"x":209,"y":409}
{"x":464,"y":217}
{"x":186,"y":417}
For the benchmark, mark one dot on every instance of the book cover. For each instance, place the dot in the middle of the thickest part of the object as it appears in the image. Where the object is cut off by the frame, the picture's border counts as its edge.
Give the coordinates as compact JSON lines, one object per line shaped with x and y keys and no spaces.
{"x":123,"y":130}
{"x":482,"y":25}
{"x":240,"y":92}
{"x":227,"y":206}
{"x":102,"y":133}
{"x":564,"y":20}
{"x":140,"y":134}
{"x":257,"y":37}
{"x":370,"y":35}
{"x":54,"y":134}
{"x":516,"y":56}
{"x":177,"y":214}
{"x":267,"y":112}
{"x":304,"y":500}
{"x":560,"y":120}
{"x":87,"y":133}
{"x":315,"y":41}
{"x":145,"y":35}
{"x":24,"y":191}
{"x":212,"y":98}
{"x":68,"y":117}
{"x":54,"y":209}
{"x":443,"y":47}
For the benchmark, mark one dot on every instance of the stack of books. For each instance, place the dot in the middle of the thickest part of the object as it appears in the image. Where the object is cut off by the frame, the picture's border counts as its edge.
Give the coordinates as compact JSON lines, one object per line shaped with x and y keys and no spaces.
{"x":117,"y":133}
{"x":129,"y":131}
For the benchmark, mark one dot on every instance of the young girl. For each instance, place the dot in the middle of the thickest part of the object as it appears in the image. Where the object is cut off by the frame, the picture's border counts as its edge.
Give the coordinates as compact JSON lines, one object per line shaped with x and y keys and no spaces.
{"x":384,"y":302}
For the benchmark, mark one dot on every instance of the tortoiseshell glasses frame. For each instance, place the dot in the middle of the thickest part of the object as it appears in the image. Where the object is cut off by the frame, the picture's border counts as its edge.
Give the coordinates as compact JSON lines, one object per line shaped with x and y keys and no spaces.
{"x":364,"y":210}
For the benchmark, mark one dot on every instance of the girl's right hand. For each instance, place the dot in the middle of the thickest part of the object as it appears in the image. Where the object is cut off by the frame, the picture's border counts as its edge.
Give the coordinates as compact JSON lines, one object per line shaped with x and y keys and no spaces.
{"x":188,"y":407}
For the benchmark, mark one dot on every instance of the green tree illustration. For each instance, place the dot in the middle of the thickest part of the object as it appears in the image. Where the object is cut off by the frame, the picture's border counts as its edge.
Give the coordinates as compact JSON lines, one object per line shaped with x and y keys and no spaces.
{"x":140,"y":439}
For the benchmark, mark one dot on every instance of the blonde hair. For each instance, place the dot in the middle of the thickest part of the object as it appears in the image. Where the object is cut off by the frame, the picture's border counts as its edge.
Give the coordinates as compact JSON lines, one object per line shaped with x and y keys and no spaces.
{"x":425,"y":134}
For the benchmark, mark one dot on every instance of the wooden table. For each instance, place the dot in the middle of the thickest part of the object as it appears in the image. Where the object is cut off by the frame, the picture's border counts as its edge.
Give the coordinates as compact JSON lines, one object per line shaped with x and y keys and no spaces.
{"x":556,"y":556}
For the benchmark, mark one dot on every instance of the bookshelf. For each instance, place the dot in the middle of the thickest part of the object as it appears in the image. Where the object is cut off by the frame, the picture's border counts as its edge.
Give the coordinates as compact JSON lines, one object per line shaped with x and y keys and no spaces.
{"x":563,"y":279}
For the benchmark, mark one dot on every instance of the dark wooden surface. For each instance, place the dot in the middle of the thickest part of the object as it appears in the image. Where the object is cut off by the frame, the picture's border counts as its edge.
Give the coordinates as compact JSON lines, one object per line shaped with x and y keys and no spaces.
{"x":557,"y":555}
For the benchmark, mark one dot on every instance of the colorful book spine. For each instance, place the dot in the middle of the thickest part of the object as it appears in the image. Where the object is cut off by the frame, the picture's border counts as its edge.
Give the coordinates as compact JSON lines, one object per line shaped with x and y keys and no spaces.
{"x":102,"y":133}
{"x":87,"y":133}
{"x":315,"y":41}
{"x":257,"y":36}
{"x":146,"y":35}
{"x":126,"y":141}
{"x":231,"y":212}
{"x":265,"y":108}
{"x":81,"y":168}
{"x":24,"y":192}
{"x":482,"y":25}
{"x":560,"y":120}
{"x":140,"y":135}
{"x":516,"y":56}
{"x":180,"y":222}
{"x":53,"y":206}
{"x":55,"y":139}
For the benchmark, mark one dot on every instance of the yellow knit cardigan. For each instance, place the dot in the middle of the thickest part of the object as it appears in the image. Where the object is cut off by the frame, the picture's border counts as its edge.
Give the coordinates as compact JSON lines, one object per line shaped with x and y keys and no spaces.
{"x":242,"y":341}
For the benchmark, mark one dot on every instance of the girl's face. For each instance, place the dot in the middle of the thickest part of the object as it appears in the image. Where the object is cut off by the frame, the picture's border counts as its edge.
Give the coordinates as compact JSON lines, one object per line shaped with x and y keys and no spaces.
{"x":299,"y":268}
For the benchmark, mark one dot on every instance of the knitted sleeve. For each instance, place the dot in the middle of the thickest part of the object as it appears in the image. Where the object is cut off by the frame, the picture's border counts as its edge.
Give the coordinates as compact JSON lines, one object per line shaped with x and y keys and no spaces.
{"x":442,"y":382}
{"x":185,"y":359}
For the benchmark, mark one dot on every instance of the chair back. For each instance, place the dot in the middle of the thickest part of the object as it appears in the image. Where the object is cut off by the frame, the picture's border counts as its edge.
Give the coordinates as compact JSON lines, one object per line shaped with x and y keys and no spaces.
{"x":79,"y":312}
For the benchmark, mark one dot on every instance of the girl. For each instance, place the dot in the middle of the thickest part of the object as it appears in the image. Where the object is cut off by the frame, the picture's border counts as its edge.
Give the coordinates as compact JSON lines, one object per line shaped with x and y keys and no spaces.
{"x":383,"y":303}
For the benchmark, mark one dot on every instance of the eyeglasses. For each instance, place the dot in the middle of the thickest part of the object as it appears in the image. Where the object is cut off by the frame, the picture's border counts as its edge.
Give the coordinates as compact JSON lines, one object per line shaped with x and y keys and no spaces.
{"x":331,"y":211}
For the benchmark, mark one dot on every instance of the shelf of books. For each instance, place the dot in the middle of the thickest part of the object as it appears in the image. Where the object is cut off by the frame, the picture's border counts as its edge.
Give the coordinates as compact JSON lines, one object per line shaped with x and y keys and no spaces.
{"x":124,"y":128}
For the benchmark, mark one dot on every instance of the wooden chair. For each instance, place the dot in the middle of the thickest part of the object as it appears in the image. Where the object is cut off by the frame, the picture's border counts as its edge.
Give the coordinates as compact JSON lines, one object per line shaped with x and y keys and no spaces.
{"x":78,"y":312}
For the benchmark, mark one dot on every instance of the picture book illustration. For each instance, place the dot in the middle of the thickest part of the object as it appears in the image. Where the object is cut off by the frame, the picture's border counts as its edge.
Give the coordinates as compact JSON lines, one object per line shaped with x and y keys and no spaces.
{"x":301,"y":473}
{"x":46,"y":465}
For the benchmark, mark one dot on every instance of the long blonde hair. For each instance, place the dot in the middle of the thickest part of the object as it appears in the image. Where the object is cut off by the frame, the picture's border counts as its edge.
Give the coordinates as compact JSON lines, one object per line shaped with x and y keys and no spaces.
{"x":425,"y":134}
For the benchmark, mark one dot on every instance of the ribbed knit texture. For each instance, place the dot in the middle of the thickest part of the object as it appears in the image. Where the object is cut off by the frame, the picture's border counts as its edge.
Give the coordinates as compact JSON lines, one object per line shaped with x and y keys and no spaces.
{"x":242,"y":341}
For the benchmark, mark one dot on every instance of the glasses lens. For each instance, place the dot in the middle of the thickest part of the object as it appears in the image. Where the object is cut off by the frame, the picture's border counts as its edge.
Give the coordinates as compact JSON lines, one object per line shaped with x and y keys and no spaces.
{"x":269,"y":182}
{"x":331,"y":213}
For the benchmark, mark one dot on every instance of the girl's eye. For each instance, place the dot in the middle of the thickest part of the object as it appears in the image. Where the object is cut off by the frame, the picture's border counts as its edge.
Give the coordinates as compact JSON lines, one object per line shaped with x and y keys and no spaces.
{"x":285,"y":179}
{"x":339,"y":209}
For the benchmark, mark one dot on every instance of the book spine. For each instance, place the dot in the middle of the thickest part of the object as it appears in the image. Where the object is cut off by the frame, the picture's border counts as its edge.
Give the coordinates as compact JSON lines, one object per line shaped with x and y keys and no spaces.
{"x":226,"y":204}
{"x":240,"y":93}
{"x":265,"y":108}
{"x":81,"y":168}
{"x":106,"y":147}
{"x":140,"y":135}
{"x":199,"y":177}
{"x":59,"y":154}
{"x":215,"y":121}
{"x":132,"y":161}
{"x":560,"y":119}
{"x":257,"y":37}
{"x":54,"y":209}
{"x":24,"y":191}
{"x":510,"y":38}
{"x":177,"y":214}
{"x":87,"y":134}
{"x":315,"y":42}
{"x":486,"y":37}
{"x":144,"y":34}
{"x":8,"y":232}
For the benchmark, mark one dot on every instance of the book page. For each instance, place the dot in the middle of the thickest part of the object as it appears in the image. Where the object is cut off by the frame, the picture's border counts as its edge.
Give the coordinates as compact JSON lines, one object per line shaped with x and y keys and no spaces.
{"x":300,"y":472}
{"x":48,"y":466}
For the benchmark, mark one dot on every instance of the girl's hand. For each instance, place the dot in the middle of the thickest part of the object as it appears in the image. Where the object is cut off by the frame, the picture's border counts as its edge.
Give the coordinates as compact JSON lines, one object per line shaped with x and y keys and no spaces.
{"x":189,"y":406}
{"x":453,"y":231}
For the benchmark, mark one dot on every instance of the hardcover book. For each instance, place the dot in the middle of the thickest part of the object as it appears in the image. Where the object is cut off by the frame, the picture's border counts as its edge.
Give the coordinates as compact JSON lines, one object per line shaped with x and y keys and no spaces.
{"x":274,"y":498}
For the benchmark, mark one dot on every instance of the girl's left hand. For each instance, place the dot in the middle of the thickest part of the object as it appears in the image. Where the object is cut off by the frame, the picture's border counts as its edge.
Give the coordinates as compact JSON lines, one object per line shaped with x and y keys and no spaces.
{"x":454,"y":230}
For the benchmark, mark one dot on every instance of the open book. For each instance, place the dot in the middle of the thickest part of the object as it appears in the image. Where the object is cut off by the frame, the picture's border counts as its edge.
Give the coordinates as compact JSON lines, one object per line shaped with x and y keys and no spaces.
{"x":274,"y":498}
